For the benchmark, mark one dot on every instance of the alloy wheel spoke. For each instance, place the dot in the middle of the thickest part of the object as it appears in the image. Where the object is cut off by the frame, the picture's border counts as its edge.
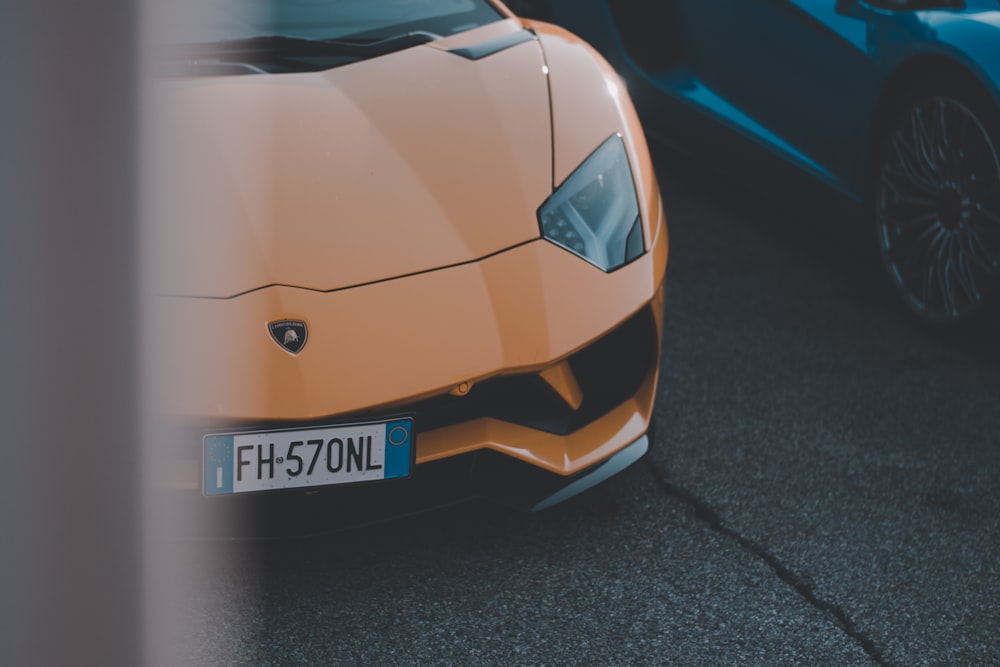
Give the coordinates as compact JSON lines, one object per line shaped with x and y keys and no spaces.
{"x":963,"y":276}
{"x":972,"y":247}
{"x":963,"y":134}
{"x":925,"y":145}
{"x":927,"y":273}
{"x":945,"y":288}
{"x":941,"y":140}
{"x":981,"y":160}
{"x":924,"y":220}
{"x":992,"y":219}
{"x":908,"y":190}
{"x":967,"y":278}
{"x":909,"y":167}
{"x":907,"y":213}
{"x":914,"y":242}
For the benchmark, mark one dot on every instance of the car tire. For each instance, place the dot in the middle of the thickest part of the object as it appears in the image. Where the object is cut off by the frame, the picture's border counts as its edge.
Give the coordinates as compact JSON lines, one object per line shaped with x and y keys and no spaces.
{"x":936,"y":196}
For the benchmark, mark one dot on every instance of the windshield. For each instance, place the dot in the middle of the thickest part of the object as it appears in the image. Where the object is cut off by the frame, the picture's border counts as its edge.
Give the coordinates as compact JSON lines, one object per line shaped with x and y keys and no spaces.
{"x":211,"y":21}
{"x":226,"y":37}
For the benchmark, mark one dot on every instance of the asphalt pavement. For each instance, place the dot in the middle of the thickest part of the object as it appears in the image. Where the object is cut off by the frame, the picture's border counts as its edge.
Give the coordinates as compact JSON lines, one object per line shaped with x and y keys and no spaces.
{"x":824,"y":489}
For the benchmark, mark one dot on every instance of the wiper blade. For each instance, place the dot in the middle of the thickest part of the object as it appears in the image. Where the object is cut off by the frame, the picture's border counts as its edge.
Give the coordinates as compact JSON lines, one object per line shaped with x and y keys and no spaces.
{"x":300,"y":46}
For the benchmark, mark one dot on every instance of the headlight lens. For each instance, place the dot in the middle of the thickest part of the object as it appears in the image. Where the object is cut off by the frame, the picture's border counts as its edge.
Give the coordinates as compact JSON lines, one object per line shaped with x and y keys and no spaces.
{"x":595,"y":213}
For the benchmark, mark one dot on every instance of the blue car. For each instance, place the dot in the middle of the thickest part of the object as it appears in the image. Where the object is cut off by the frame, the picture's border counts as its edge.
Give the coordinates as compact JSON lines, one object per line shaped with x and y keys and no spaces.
{"x":886,"y":111}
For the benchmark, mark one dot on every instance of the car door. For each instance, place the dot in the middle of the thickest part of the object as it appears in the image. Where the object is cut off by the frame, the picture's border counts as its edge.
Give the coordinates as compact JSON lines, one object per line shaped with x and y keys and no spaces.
{"x":800,"y":69}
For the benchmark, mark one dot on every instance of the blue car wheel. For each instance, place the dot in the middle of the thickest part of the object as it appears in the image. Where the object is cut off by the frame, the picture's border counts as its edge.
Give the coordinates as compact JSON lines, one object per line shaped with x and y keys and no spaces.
{"x":937,"y":203}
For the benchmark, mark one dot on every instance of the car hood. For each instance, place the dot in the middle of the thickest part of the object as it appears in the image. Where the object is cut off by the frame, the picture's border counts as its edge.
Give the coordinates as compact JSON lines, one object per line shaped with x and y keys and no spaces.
{"x":401,"y":164}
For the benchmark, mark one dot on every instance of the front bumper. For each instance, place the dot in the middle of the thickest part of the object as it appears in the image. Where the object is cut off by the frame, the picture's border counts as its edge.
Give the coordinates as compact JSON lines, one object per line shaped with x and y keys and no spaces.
{"x":512,"y":441}
{"x":554,"y":394}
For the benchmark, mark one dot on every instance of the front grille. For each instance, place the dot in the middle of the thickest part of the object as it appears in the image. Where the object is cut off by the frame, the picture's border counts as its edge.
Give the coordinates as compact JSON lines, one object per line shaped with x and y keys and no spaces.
{"x":609,"y":371}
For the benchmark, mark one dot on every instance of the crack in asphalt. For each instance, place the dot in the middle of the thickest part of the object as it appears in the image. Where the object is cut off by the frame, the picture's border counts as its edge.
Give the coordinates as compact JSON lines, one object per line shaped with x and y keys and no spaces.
{"x":705,"y":513}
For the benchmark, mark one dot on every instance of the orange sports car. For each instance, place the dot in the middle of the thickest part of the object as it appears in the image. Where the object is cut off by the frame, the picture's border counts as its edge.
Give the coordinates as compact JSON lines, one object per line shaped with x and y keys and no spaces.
{"x":404,"y":252}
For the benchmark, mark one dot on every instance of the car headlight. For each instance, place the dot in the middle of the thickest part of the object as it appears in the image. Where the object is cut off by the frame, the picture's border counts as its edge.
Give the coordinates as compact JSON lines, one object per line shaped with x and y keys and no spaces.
{"x":595,"y":213}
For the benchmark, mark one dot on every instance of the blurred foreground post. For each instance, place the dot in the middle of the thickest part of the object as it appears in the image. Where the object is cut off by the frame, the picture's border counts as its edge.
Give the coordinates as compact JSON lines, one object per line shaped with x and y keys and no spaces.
{"x":69,"y":503}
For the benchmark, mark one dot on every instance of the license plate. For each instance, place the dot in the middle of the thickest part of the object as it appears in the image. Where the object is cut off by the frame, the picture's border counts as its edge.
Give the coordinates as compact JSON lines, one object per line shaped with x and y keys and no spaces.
{"x":310,"y":457}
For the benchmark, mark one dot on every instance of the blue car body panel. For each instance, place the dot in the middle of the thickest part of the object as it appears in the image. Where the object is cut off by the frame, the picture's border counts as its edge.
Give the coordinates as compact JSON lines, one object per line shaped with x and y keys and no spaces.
{"x":787,"y":89}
